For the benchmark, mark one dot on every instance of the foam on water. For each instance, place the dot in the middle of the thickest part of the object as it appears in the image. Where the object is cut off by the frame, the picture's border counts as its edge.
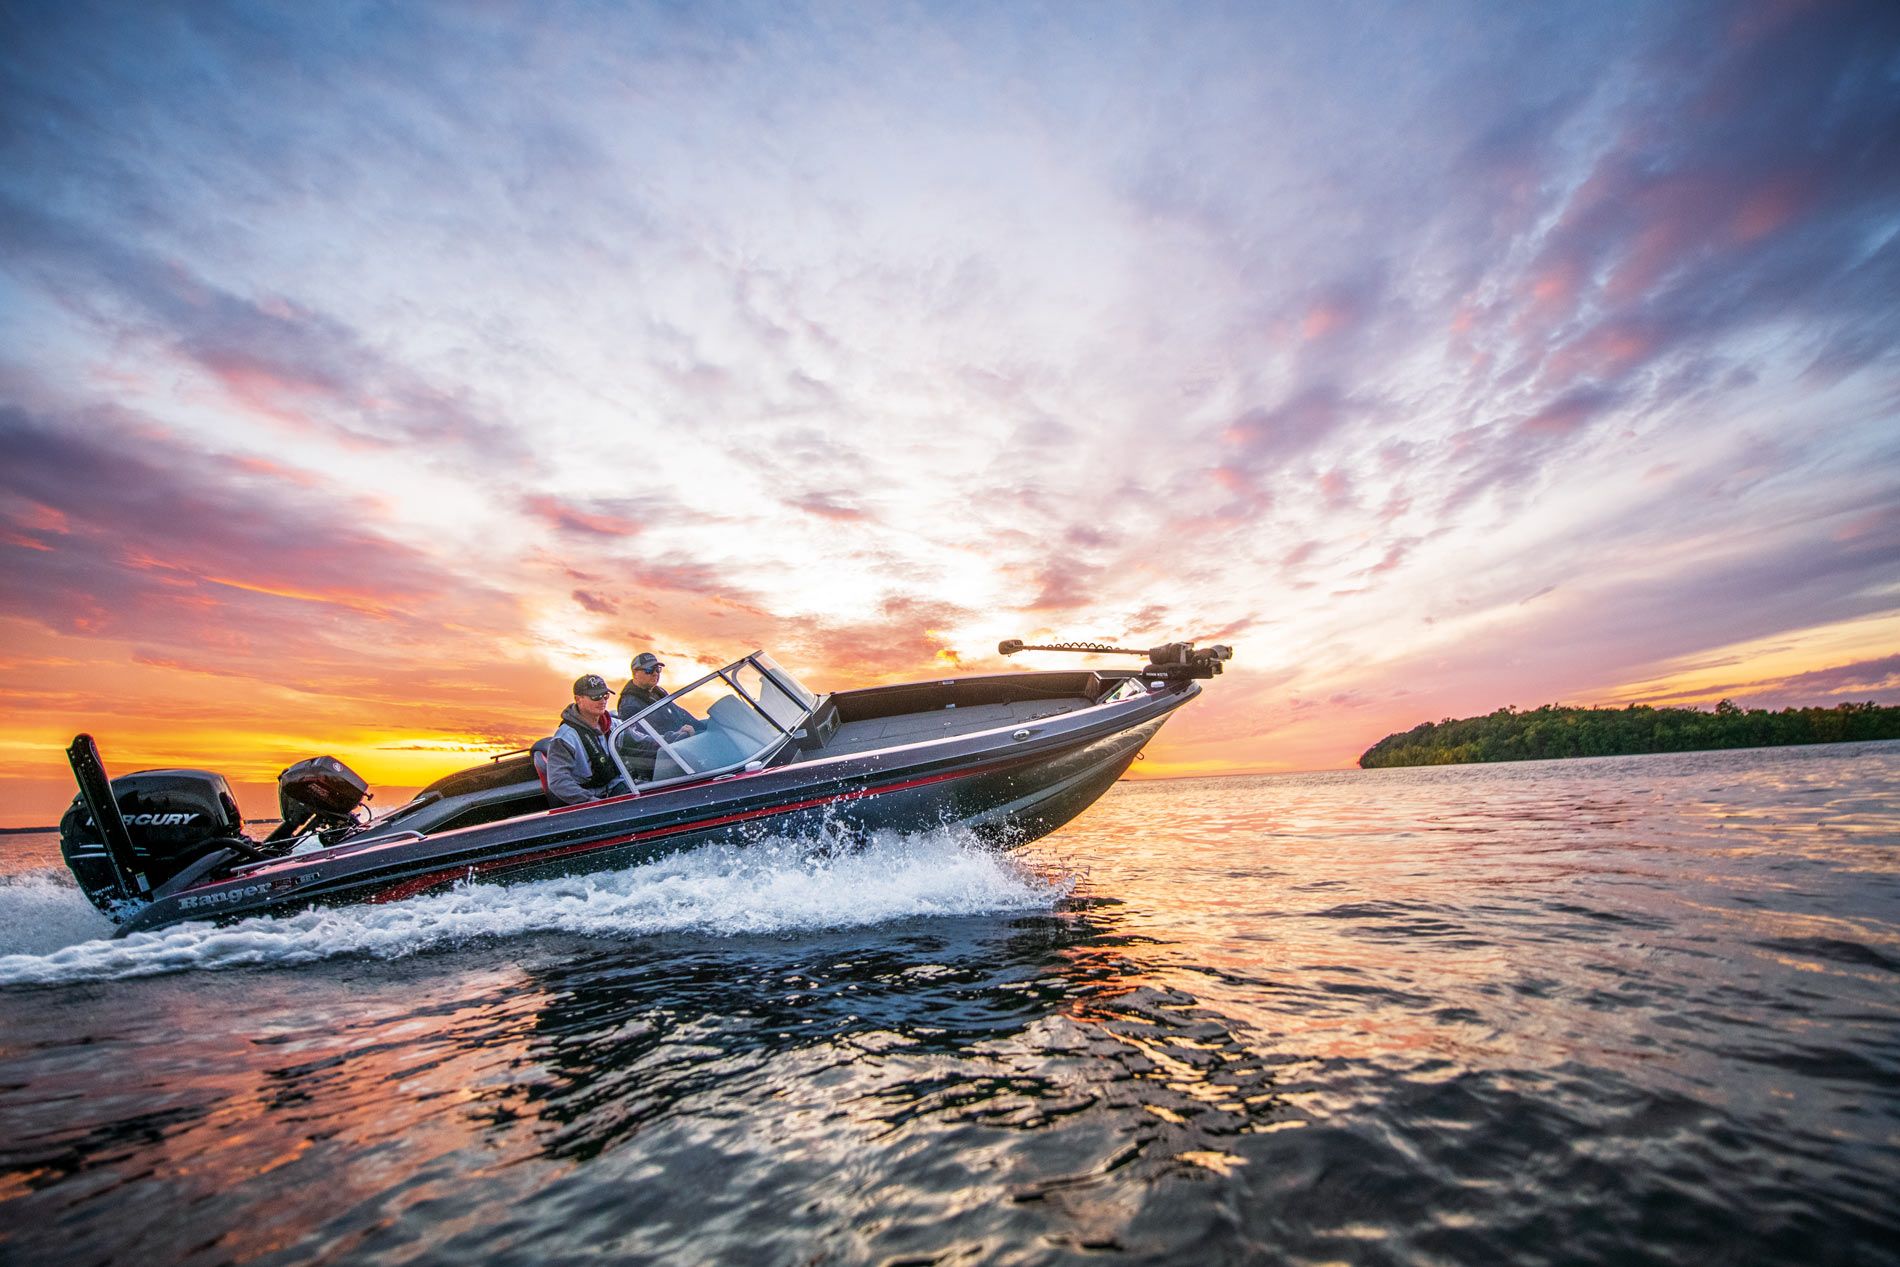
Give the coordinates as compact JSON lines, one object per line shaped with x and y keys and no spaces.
{"x":42,"y":910}
{"x":769,"y":887}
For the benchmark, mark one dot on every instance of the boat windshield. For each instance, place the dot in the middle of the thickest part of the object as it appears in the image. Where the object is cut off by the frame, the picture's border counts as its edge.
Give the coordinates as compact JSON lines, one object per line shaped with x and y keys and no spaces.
{"x":722,"y":721}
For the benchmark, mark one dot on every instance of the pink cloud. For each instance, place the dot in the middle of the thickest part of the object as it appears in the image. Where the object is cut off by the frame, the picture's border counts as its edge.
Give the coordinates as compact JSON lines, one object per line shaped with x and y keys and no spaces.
{"x":1875,"y":521}
{"x":569,"y":517}
{"x":1321,"y":321}
{"x":1567,"y":414}
{"x":1771,"y":207}
{"x":825,"y":506}
{"x":1336,"y":488}
{"x":266,"y":393}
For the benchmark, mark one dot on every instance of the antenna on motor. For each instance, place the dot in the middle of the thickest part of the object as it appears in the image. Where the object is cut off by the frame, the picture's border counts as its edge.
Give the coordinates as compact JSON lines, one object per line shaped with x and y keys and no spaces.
{"x":1172,"y":659}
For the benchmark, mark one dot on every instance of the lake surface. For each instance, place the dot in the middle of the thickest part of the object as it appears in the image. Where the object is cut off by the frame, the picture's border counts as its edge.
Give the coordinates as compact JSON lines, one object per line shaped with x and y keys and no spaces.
{"x":1625,"y":1010}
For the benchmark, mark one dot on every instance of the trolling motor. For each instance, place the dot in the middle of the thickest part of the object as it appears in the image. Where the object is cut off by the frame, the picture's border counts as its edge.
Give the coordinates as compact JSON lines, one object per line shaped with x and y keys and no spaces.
{"x":1173,"y":661}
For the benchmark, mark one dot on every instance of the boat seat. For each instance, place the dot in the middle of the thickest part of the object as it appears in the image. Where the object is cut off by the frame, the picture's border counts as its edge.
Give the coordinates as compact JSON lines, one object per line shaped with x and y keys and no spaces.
{"x":734,"y":733}
{"x":539,"y":750}
{"x":751,"y":731}
{"x":707,"y":751}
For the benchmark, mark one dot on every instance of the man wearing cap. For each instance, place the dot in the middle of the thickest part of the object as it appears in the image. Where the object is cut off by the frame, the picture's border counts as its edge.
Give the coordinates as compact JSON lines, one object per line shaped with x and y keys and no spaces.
{"x":579,"y":768}
{"x":643,"y":688}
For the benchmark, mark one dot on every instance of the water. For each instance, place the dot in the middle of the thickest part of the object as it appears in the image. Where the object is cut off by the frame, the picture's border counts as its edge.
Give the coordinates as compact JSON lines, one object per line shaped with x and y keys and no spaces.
{"x":1628,"y":1010}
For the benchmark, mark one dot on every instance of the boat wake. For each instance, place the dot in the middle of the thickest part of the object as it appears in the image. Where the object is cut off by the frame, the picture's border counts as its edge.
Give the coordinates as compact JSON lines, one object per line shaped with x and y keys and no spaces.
{"x":773,"y":886}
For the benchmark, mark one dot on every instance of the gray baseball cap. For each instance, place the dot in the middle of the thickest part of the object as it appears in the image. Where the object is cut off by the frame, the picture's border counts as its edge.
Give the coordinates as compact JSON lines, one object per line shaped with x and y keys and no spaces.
{"x":647,"y":662}
{"x":592,"y":685}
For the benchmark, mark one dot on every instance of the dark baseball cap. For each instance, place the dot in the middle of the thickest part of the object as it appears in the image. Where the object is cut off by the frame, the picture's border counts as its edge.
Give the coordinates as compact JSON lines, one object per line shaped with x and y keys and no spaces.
{"x":592,"y":685}
{"x":647,"y":662}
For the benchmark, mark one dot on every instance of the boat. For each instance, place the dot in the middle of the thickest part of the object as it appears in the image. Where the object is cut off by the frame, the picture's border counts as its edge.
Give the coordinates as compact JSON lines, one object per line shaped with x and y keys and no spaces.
{"x":1008,"y":756}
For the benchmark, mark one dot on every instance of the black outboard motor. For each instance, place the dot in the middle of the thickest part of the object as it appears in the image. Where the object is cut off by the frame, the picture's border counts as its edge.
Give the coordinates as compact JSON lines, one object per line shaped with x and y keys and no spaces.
{"x":167,"y":820}
{"x":318,"y":794}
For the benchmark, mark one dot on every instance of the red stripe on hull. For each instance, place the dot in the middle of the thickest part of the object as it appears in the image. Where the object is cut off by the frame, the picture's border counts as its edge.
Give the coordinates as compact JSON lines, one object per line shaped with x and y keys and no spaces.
{"x":422,"y":883}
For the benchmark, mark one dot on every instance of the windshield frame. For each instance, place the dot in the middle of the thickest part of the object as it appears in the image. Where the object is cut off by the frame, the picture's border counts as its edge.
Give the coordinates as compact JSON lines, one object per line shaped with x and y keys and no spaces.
{"x":793,"y":689}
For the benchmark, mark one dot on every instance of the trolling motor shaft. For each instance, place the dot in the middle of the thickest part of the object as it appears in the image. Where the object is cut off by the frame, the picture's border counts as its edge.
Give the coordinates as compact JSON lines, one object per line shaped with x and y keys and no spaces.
{"x":1171,"y":659}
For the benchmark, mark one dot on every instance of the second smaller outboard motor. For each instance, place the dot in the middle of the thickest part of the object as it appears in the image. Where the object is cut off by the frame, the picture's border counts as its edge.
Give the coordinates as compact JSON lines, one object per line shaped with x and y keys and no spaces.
{"x":320,"y":794}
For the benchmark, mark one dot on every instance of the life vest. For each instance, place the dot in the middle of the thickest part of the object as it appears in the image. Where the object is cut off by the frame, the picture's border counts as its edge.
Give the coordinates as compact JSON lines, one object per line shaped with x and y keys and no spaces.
{"x":600,"y":766}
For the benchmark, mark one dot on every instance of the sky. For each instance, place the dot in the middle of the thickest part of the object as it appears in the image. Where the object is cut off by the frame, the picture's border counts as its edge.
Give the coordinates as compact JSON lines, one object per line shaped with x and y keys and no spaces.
{"x":368,"y":371}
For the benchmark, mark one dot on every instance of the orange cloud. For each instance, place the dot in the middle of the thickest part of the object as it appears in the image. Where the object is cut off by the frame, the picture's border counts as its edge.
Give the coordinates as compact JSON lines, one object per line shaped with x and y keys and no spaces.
{"x":340,"y":598}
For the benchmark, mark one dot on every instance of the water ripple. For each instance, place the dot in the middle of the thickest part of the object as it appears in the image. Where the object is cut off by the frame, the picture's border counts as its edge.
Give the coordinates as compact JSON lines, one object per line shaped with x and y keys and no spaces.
{"x":1629,"y":1010}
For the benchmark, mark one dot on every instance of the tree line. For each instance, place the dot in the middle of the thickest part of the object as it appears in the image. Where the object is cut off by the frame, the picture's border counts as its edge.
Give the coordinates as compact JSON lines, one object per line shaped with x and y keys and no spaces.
{"x":1556,"y":731}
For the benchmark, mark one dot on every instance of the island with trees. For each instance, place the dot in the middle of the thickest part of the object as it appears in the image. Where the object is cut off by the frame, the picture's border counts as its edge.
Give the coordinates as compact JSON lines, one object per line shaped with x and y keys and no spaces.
{"x":1556,"y":731}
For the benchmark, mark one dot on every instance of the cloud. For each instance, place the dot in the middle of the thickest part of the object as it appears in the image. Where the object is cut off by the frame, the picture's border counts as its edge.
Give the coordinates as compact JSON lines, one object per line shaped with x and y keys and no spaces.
{"x":826,"y":505}
{"x":1570,"y":412}
{"x":1063,"y":584}
{"x":609,"y":518}
{"x":900,"y":638}
{"x":1289,"y":429}
{"x":1877,"y":679}
{"x":119,"y":530}
{"x":828,"y":331}
{"x":1261,"y":444}
{"x":1868,"y":676}
{"x":276,"y":360}
{"x":1782,"y":139}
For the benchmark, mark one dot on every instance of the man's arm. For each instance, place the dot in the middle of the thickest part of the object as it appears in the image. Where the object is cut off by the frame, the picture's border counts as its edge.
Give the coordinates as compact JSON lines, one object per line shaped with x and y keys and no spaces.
{"x":563,"y":786}
{"x":681,"y":723}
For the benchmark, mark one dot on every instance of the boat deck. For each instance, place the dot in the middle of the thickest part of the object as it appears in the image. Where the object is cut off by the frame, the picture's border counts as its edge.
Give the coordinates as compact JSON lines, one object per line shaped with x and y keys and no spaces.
{"x":886,"y":732}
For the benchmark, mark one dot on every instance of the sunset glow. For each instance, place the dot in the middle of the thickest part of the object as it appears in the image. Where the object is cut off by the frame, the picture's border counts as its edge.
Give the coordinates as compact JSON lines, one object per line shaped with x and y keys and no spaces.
{"x":366,"y":374}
